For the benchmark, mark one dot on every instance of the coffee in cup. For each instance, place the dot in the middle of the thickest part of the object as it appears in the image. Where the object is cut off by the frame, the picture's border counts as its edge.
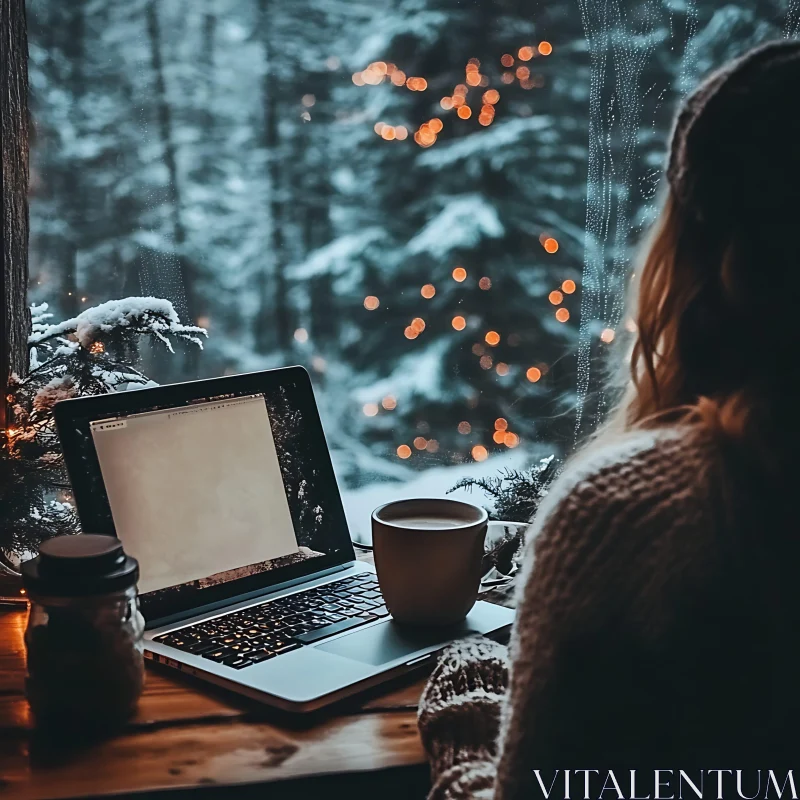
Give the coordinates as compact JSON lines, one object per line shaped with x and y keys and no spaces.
{"x":429,"y":558}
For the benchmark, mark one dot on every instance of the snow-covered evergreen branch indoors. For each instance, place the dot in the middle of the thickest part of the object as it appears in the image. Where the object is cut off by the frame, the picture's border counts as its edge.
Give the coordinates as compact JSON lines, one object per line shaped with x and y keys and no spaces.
{"x":401,"y":196}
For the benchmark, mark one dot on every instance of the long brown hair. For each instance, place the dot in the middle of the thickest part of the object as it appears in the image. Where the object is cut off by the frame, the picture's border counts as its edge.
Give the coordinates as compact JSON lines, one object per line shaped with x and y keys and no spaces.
{"x":716,"y":340}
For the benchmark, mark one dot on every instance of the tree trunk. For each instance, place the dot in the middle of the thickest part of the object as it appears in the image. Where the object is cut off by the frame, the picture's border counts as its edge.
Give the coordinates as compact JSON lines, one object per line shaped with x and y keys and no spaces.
{"x":15,"y":323}
{"x":165,"y":131}
{"x":277,"y":245}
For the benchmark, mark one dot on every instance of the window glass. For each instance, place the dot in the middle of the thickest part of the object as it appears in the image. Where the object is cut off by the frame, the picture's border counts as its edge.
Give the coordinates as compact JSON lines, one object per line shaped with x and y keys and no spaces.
{"x":431,"y":204}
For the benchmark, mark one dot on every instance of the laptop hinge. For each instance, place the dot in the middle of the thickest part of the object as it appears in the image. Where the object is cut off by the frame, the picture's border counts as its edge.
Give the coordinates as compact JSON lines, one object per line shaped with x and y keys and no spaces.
{"x":231,"y":601}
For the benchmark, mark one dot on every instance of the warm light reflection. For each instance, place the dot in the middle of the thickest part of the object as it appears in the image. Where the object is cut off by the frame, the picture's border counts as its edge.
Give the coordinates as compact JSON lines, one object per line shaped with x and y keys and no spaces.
{"x":525,"y":54}
{"x":501,"y":369}
{"x":370,"y":409}
{"x":568,"y":287}
{"x":389,"y":403}
{"x":459,"y":323}
{"x":491,"y":97}
{"x":607,"y":335}
{"x":371,"y":302}
{"x":404,"y":451}
{"x":446,"y":103}
{"x":562,"y":315}
{"x":545,"y":48}
{"x":401,"y":133}
{"x":501,"y":424}
{"x":464,"y":427}
{"x":507,"y":60}
{"x":511,"y":439}
{"x":436,"y":125}
{"x":410,"y":333}
{"x":465,"y":112}
{"x":459,"y":274}
{"x":420,"y":442}
{"x":507,"y":77}
{"x":480,"y":453}
{"x":485,"y":284}
{"x":555,"y":297}
{"x":533,"y":374}
{"x":478,"y":349}
{"x":387,"y":133}
{"x":499,"y":437}
{"x":418,"y":324}
{"x":460,"y":90}
{"x":432,"y":446}
{"x":523,"y":73}
{"x":486,"y":362}
{"x":428,"y":291}
{"x":492,"y":338}
{"x":550,"y":245}
{"x":473,"y":78}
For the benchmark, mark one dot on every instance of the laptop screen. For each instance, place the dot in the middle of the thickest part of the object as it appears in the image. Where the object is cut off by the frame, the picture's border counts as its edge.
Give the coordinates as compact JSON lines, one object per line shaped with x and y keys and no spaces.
{"x":214,"y":495}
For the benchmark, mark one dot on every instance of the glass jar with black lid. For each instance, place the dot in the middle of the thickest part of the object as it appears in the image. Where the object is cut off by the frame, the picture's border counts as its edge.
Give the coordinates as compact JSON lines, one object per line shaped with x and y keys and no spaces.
{"x":85,"y":665}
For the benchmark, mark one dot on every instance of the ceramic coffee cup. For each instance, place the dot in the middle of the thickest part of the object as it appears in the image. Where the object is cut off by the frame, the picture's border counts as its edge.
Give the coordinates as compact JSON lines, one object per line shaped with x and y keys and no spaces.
{"x":429,"y":558}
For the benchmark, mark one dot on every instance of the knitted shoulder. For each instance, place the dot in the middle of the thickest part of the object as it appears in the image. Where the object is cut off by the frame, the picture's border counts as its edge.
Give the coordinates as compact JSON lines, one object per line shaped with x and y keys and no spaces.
{"x":617,"y":488}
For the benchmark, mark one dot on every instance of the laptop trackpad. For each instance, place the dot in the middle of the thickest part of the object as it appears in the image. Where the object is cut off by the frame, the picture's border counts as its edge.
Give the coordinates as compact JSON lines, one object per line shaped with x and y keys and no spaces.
{"x":387,"y":642}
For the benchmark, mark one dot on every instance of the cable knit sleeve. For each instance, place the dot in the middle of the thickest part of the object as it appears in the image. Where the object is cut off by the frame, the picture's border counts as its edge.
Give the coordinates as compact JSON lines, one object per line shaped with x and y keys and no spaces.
{"x":589,"y":594}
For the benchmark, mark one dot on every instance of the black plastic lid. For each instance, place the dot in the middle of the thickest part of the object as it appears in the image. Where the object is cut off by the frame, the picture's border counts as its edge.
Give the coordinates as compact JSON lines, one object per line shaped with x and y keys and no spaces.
{"x":79,"y":566}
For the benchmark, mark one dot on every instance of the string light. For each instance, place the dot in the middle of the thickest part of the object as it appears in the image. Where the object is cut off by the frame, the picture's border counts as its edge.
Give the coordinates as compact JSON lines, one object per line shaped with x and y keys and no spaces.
{"x":480,"y":453}
{"x":473,"y":78}
{"x":555,"y":297}
{"x":458,"y":101}
{"x":492,"y":338}
{"x":551,"y":245}
{"x":464,"y":428}
{"x":485,"y":284}
{"x":436,"y":125}
{"x":501,"y":424}
{"x":301,"y":335}
{"x":502,"y":369}
{"x":507,"y":60}
{"x":459,"y":323}
{"x":420,"y":442}
{"x":418,"y":324}
{"x":404,"y":451}
{"x":533,"y":374}
{"x":417,"y":84}
{"x":511,"y":439}
{"x":428,"y":291}
{"x":607,"y":335}
{"x":389,"y":403}
{"x":568,"y":287}
{"x":97,"y":348}
{"x":562,"y":315}
{"x":371,"y":302}
{"x":465,"y":112}
{"x":486,"y":362}
{"x":410,"y":333}
{"x":525,"y":54}
{"x":545,"y":48}
{"x":499,"y":437}
{"x":459,"y":274}
{"x":491,"y":97}
{"x":370,"y":409}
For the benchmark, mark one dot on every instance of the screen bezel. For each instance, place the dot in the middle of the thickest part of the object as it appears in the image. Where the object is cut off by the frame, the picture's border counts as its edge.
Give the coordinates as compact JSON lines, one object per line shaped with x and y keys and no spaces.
{"x":92,"y":507}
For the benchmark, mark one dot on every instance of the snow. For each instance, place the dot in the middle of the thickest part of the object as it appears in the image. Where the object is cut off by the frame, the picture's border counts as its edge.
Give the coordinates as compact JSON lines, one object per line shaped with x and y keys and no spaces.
{"x":462,"y":223}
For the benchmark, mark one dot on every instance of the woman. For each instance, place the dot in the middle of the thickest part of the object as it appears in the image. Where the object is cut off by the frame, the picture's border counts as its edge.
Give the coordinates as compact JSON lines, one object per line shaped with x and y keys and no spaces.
{"x":657,"y":623}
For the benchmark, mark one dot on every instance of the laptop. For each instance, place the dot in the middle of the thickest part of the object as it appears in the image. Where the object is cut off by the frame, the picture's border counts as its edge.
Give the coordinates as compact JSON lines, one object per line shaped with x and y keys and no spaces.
{"x":224,"y":491}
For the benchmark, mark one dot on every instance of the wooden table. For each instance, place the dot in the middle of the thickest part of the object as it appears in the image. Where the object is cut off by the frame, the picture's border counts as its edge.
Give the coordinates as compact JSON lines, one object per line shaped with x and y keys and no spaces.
{"x":190,"y":734}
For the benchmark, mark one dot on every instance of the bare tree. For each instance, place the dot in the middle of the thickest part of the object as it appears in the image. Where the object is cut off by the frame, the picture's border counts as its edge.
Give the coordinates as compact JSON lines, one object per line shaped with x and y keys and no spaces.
{"x":15,"y":322}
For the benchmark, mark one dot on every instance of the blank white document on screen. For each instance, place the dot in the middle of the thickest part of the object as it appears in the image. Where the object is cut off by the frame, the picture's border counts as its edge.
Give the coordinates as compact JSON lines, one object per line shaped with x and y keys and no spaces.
{"x":195,"y":490}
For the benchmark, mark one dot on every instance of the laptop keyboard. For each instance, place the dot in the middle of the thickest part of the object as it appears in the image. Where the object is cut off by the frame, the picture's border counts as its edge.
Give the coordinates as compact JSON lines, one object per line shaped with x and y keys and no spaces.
{"x":269,"y":629}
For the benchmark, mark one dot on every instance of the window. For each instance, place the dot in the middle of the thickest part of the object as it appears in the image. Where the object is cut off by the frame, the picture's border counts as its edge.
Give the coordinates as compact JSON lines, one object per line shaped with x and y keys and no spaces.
{"x":430,"y":204}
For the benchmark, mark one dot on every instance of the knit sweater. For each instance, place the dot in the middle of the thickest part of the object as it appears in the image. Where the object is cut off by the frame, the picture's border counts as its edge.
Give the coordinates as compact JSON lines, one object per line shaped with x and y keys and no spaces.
{"x":653,"y":631}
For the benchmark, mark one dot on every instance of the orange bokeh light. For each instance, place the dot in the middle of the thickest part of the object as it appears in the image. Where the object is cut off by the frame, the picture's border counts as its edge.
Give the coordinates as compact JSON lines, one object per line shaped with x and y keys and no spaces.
{"x":404,"y":451}
{"x":458,"y":101}
{"x":398,"y":77}
{"x":465,"y":112}
{"x":418,"y":324}
{"x":459,"y":323}
{"x":371,"y":302}
{"x":485,"y":284}
{"x":446,"y":103}
{"x":545,"y":48}
{"x":568,"y":287}
{"x":491,"y":97}
{"x":486,"y":362}
{"x":473,"y":78}
{"x":499,"y":437}
{"x":480,"y":453}
{"x":401,"y":133}
{"x":525,"y":54}
{"x":436,"y":125}
{"x":432,"y":446}
{"x":555,"y":297}
{"x":428,"y":291}
{"x":420,"y":442}
{"x":562,"y":315}
{"x":523,"y":73}
{"x":492,"y":338}
{"x":533,"y":374}
{"x":502,"y":369}
{"x":389,"y":402}
{"x":507,"y":60}
{"x":459,"y":274}
{"x":388,"y":133}
{"x":511,"y":439}
{"x":460,"y":90}
{"x":501,"y":424}
{"x":370,"y":409}
{"x":607,"y":335}
{"x":550,"y":245}
{"x":507,"y":77}
{"x":464,"y":427}
{"x":410,"y":333}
